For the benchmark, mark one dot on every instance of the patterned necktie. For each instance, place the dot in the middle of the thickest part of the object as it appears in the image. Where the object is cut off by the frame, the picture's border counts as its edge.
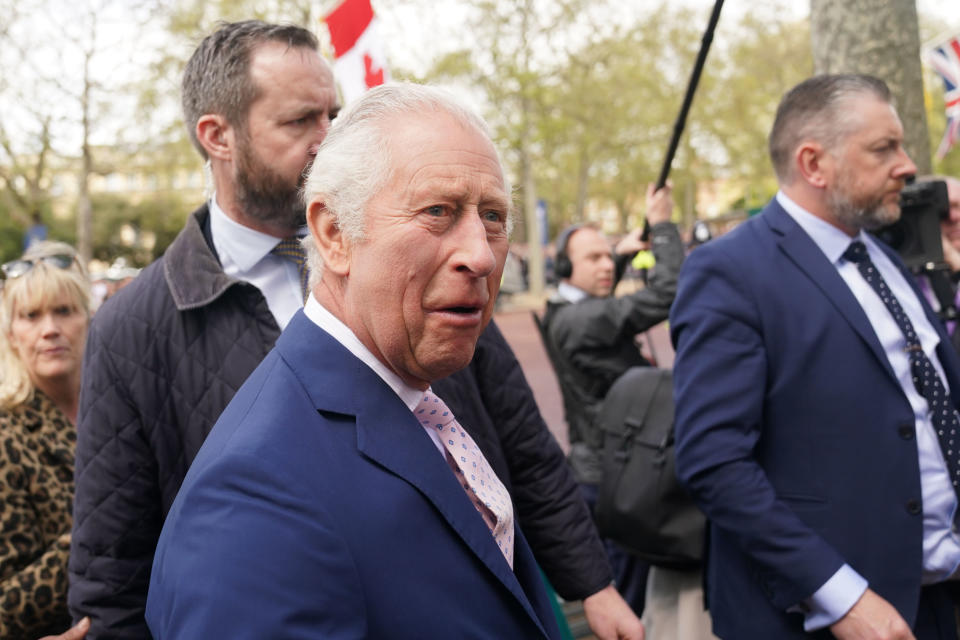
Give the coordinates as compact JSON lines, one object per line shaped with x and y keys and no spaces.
{"x":484,"y":489}
{"x":291,"y":249}
{"x":925,"y":378}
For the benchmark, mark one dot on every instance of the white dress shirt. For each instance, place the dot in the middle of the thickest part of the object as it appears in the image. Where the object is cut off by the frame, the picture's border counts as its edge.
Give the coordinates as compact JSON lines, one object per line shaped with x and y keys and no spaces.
{"x":571,"y":293}
{"x":941,"y":546}
{"x":245,"y":254}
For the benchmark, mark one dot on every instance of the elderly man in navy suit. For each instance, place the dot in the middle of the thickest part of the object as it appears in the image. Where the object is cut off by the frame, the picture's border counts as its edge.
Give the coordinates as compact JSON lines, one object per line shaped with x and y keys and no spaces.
{"x":816,"y":393}
{"x":337,"y":496}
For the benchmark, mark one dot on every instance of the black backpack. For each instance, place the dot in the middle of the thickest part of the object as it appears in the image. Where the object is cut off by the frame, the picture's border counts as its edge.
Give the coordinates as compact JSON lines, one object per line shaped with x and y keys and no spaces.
{"x":641,"y":504}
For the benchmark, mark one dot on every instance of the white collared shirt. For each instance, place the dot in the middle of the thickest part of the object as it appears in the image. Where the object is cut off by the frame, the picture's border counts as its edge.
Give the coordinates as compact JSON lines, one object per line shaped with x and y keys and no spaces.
{"x":245,"y":254}
{"x":340,"y":332}
{"x":941,"y":546}
{"x":571,"y":293}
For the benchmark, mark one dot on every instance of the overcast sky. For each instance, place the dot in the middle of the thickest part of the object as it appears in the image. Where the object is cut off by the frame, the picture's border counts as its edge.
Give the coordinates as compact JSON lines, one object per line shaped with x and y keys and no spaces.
{"x":414,"y":32}
{"x":412,"y":36}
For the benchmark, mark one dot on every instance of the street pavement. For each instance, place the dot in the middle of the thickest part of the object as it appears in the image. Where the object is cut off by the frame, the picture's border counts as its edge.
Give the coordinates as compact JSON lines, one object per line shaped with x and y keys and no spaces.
{"x":520,"y":331}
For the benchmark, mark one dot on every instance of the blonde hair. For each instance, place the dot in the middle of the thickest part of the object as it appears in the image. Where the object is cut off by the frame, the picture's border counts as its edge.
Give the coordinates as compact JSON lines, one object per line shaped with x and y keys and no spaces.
{"x":38,"y":288}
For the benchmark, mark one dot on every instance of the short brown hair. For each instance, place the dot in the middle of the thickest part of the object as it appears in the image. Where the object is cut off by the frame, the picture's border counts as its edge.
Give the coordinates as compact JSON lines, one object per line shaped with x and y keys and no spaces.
{"x":814,"y":110}
{"x":217,"y":76}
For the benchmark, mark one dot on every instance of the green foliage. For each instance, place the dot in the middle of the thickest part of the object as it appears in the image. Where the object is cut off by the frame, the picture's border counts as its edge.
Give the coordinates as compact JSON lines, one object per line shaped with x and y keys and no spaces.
{"x":141,"y":231}
{"x":597,"y":113}
{"x":13,"y":228}
{"x":154,"y":221}
{"x":585,"y":91}
{"x":11,"y":238}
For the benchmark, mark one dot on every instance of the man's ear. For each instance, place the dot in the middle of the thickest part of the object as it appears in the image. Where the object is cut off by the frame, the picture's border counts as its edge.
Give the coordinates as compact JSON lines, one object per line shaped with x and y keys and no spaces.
{"x":333,"y":246}
{"x":216,"y":136}
{"x":813,"y":163}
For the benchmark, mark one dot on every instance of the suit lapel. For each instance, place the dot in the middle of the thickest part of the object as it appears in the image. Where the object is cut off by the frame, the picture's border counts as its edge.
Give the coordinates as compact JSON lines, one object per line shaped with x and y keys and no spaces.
{"x":808,"y":258}
{"x":805,"y":254}
{"x":406,"y":450}
{"x":388,"y":434}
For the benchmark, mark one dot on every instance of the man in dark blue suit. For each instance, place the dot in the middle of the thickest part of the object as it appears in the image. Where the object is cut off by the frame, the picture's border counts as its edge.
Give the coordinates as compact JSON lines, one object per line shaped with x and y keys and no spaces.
{"x":337,"y":497}
{"x":807,"y":366}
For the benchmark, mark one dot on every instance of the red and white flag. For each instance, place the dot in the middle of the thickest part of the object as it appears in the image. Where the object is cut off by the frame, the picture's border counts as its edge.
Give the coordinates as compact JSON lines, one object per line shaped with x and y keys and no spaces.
{"x":359,"y":62}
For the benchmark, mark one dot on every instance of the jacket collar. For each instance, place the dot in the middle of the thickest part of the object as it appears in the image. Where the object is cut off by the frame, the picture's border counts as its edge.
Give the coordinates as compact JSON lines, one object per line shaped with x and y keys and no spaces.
{"x":571,"y":293}
{"x":387,"y":433}
{"x":191,"y":266}
{"x":808,"y":258}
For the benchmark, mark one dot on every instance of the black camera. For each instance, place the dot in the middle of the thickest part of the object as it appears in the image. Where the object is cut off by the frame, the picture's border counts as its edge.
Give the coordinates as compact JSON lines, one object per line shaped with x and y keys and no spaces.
{"x":916,"y":235}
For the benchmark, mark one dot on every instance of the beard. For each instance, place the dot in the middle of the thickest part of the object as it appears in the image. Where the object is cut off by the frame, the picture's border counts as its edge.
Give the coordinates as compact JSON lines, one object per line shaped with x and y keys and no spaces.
{"x":861,"y":212}
{"x":265,"y":195}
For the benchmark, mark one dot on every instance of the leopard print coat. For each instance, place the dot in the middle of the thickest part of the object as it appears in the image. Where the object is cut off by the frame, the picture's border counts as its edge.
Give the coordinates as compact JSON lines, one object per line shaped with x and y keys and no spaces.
{"x":37,"y":444}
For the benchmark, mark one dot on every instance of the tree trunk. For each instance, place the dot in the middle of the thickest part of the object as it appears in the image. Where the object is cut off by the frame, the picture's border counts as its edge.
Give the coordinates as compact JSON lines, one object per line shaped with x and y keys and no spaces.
{"x":84,"y":208}
{"x":623,"y":216}
{"x":583,"y":185}
{"x":534,"y":250}
{"x":535,"y":268}
{"x":880,"y":38}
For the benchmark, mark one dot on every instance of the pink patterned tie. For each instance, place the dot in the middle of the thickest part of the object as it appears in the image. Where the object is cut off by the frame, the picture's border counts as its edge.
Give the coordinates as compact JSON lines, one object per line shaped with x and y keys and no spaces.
{"x":473,"y":471}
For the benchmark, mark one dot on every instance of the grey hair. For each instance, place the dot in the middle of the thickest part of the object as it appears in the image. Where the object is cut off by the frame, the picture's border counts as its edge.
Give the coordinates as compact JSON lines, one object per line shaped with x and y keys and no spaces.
{"x":817,"y":109}
{"x":217,"y":76}
{"x":354,"y":162}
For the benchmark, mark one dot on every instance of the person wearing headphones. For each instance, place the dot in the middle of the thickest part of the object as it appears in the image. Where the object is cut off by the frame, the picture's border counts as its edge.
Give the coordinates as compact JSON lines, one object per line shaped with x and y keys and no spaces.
{"x":592,"y":334}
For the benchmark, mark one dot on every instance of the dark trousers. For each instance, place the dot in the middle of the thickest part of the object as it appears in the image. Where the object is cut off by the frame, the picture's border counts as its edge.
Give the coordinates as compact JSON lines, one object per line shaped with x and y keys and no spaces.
{"x":629,"y":572}
{"x":937,"y":612}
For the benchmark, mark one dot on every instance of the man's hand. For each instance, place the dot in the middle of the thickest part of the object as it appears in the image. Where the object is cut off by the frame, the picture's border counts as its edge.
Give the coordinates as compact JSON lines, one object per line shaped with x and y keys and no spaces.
{"x":950,"y":255}
{"x":872,"y":618}
{"x":659,"y":203}
{"x":631,"y":243}
{"x":610,"y":617}
{"x":76,"y":632}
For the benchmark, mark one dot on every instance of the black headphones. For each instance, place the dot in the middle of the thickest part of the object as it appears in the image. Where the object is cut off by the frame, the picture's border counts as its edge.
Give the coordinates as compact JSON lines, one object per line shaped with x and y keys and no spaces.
{"x":562,"y":267}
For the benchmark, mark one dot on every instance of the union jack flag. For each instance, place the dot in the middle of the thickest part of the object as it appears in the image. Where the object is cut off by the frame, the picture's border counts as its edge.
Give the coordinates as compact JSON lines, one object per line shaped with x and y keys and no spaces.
{"x":945,"y":60}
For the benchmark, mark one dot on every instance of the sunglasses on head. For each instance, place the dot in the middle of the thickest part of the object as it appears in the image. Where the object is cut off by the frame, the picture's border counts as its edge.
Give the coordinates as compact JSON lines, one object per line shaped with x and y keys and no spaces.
{"x":16,"y":268}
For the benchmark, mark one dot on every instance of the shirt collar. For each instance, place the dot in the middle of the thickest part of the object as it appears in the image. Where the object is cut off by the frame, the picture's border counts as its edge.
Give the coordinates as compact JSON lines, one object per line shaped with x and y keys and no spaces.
{"x":571,"y":293}
{"x":344,"y":335}
{"x":831,"y":240}
{"x":240,"y":244}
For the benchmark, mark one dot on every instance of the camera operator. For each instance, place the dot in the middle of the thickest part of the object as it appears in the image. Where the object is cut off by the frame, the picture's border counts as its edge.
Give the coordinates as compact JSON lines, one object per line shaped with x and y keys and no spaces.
{"x":592,"y":338}
{"x":950,"y":228}
{"x":940,"y":284}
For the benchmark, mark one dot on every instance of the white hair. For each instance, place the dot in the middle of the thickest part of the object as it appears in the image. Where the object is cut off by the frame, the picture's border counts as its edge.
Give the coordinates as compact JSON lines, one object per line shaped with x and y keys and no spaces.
{"x":354,"y":161}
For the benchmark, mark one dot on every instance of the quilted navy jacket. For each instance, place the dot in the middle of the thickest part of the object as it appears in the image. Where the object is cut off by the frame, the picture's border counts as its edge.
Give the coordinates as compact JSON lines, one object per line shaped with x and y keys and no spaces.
{"x":166,"y":355}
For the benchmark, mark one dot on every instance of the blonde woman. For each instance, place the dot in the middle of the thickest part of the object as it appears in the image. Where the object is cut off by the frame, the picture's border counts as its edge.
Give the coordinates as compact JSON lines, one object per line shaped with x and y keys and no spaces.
{"x":44,"y":313}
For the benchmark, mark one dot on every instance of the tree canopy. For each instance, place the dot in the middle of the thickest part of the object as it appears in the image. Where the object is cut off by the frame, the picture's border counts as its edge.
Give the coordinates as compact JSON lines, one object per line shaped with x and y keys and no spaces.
{"x":581,"y":95}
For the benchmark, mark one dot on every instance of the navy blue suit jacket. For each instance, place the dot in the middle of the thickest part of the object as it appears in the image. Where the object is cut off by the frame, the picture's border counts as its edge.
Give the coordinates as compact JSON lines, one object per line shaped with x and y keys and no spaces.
{"x":319,"y":508}
{"x":793,"y":433}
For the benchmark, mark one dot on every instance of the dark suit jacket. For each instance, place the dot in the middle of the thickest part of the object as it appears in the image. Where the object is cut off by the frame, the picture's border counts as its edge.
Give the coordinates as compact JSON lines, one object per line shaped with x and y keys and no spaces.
{"x":792,"y":432}
{"x":319,"y":507}
{"x":494,"y":403}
